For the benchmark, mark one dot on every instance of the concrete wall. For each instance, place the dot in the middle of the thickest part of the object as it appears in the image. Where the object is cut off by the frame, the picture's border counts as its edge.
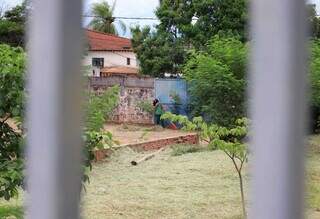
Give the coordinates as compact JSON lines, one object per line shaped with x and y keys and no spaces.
{"x":133,"y":90}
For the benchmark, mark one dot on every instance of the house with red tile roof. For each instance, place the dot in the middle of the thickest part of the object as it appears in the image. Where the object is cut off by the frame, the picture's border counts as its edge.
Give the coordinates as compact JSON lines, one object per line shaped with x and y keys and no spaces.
{"x":109,"y":54}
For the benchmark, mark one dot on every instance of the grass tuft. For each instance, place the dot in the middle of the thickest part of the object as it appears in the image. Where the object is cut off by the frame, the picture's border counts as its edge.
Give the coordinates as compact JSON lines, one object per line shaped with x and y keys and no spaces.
{"x":178,"y":150}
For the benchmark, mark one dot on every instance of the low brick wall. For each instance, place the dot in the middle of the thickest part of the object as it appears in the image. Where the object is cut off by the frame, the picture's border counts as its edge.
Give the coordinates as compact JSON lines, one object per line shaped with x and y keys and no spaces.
{"x":152,"y":145}
{"x":157,"y":144}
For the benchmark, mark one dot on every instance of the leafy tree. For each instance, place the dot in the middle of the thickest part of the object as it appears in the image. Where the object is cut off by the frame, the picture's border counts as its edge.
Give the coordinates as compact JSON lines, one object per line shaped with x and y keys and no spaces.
{"x":157,"y":52}
{"x":12,"y":62}
{"x":315,"y":73}
{"x":314,"y":21}
{"x":197,"y":21}
{"x":314,"y":78}
{"x":232,"y":141}
{"x":217,"y":80}
{"x":219,"y":16}
{"x":185,"y":25}
{"x":103,"y":20}
{"x":12,"y":25}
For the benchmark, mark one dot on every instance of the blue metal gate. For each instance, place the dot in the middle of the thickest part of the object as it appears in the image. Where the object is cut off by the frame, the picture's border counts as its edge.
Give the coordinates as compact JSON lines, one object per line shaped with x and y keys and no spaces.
{"x":172,"y":93}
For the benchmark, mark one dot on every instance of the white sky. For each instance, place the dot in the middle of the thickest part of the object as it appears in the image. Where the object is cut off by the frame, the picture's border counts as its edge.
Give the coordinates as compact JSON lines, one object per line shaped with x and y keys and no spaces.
{"x":124,"y":8}
{"x":130,"y":8}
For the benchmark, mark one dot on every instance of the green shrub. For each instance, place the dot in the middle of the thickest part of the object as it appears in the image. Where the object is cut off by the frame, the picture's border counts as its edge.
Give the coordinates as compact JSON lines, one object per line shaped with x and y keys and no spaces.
{"x":146,"y":106}
{"x":12,"y":101}
{"x":100,"y":107}
{"x":217,"y":81}
{"x":12,"y":63}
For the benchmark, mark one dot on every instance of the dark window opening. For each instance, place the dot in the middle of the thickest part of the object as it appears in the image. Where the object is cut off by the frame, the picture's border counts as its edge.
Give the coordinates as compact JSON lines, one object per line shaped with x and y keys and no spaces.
{"x":128,"y":61}
{"x":98,"y":62}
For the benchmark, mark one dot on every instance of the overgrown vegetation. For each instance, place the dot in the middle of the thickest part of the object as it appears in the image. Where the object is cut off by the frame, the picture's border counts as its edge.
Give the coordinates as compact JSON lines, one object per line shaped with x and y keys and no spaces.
{"x":12,"y":96}
{"x":176,"y":100}
{"x":315,"y":82}
{"x":12,"y":25}
{"x":217,"y":81}
{"x":145,"y":106}
{"x":99,"y":108}
{"x":232,"y":141}
{"x":12,"y":62}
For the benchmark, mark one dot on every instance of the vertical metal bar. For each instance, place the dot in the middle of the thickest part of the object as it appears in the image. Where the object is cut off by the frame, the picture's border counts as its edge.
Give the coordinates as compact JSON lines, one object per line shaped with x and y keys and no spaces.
{"x":278,"y":108}
{"x":54,"y":127}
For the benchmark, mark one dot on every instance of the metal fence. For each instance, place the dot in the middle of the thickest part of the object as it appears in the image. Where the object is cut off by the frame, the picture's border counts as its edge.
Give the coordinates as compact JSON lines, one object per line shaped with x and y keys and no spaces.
{"x":173,"y":94}
{"x":277,"y":109}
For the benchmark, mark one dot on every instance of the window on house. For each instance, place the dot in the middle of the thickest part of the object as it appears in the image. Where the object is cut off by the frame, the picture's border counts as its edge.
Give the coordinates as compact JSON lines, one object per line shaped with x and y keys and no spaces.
{"x":128,"y":61}
{"x":98,"y":62}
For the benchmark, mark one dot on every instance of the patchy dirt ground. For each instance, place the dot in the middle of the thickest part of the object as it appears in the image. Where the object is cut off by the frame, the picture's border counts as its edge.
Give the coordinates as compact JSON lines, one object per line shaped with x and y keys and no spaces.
{"x":129,"y":134}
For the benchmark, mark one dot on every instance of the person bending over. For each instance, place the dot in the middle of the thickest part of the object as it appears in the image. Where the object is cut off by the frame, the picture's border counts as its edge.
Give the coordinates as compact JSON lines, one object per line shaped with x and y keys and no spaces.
{"x":158,"y":112}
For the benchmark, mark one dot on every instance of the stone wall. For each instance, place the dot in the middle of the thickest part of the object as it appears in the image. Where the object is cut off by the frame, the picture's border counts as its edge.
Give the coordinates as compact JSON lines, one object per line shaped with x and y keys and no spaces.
{"x":134,"y":89}
{"x":128,"y":111}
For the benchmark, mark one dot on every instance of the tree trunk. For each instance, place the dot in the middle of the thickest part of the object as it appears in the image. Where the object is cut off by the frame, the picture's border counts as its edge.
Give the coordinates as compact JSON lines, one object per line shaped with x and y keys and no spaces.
{"x":242,"y":195}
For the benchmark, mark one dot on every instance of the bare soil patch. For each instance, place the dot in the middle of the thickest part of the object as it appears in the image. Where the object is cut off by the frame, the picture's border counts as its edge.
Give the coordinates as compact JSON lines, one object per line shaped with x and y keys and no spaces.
{"x":132,"y":134}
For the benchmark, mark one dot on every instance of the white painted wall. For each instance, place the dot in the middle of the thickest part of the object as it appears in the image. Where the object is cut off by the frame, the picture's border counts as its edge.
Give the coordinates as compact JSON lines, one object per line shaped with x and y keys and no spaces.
{"x":111,"y":58}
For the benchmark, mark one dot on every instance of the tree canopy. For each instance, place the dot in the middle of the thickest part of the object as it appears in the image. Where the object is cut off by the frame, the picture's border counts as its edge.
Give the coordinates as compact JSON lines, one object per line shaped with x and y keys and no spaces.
{"x":12,"y":62}
{"x":103,"y":19}
{"x":197,"y":21}
{"x":314,"y":21}
{"x":158,"y":52}
{"x":12,"y":25}
{"x":185,"y":25}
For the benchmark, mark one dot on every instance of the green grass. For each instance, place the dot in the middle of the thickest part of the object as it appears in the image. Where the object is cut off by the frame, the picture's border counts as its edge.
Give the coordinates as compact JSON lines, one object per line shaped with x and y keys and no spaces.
{"x":191,"y":185}
{"x":178,"y":150}
{"x":313,"y":173}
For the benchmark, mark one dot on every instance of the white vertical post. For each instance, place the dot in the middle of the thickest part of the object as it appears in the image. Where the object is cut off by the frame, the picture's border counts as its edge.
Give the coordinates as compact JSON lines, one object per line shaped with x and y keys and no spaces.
{"x":54,"y":105}
{"x":278,"y":108}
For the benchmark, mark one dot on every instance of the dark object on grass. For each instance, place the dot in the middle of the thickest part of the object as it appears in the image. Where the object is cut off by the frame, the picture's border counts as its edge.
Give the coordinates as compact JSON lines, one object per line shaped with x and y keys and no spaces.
{"x":147,"y":157}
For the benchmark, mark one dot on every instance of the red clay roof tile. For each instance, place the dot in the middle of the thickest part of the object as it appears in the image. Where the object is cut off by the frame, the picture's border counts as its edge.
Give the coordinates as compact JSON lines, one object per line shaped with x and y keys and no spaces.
{"x":107,"y":42}
{"x":119,"y":70}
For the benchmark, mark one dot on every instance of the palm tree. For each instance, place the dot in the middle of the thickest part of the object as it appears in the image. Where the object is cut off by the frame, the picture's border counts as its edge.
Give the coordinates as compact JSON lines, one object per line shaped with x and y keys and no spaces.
{"x":103,"y":20}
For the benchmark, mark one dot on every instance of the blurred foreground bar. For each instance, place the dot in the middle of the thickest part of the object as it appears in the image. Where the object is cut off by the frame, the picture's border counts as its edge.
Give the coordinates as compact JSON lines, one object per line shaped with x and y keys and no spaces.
{"x":278,"y":108}
{"x":54,"y":106}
